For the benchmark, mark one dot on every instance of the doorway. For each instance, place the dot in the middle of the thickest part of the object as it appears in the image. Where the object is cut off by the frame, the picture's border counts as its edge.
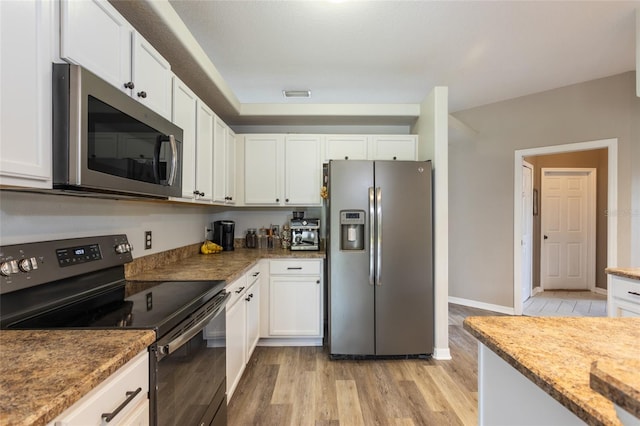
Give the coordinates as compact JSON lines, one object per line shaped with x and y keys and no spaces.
{"x":609,"y":222}
{"x":568,"y":229}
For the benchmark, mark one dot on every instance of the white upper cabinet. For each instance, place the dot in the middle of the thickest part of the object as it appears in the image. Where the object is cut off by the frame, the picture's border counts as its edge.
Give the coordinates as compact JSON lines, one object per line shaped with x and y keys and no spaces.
{"x":94,"y":35}
{"x":303,"y":170}
{"x":204,"y":152}
{"x":26,"y":34}
{"x":224,"y":160}
{"x":282,"y":170}
{"x":263,"y":169}
{"x":346,"y":147}
{"x":184,"y":116}
{"x":394,"y":147}
{"x":151,"y":76}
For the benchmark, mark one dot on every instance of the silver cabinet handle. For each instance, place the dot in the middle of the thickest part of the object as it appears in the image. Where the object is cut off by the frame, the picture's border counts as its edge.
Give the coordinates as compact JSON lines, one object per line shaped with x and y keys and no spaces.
{"x":107,"y":417}
{"x":372,"y":232}
{"x":379,"y":236}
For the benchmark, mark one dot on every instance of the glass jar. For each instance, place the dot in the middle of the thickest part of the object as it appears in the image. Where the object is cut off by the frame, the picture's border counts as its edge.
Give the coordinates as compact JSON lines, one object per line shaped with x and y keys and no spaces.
{"x":251,"y":239}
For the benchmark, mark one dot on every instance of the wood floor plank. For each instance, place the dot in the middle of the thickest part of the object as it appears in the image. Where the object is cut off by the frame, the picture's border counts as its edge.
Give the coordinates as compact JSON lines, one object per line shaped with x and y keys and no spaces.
{"x":461,"y":401}
{"x":349,"y":409}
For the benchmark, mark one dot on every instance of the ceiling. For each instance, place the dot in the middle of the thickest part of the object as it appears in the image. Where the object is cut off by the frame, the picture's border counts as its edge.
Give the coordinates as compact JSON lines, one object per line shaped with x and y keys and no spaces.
{"x":380,"y":59}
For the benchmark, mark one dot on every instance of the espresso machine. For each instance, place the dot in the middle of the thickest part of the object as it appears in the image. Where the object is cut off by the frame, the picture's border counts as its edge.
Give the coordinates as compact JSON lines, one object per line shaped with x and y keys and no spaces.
{"x":224,"y":233}
{"x":305,"y":234}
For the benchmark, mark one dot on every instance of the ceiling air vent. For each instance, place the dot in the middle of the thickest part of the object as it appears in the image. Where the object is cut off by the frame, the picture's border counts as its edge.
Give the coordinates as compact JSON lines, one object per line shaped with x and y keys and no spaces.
{"x":296,"y":93}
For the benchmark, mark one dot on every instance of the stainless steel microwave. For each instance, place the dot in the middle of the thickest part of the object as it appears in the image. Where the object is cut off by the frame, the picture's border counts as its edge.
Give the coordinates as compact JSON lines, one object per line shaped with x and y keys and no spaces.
{"x":108,"y":144}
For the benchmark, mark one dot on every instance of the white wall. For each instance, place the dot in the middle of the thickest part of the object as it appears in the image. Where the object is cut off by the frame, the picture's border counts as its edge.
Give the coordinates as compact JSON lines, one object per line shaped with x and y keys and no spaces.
{"x":481,"y":175}
{"x":26,"y":217}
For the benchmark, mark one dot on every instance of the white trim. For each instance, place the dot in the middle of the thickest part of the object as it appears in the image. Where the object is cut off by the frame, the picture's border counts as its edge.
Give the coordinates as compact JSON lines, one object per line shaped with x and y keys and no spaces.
{"x":481,"y":305}
{"x":442,"y":354}
{"x":612,"y":204}
{"x":598,"y":290}
{"x":591,"y":174}
{"x":533,"y":180}
{"x":296,"y":341}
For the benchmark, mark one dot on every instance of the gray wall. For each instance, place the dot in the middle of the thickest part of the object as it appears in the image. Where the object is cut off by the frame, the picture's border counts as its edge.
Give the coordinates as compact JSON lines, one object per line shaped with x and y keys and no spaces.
{"x":481,"y":175}
{"x":597,"y":159}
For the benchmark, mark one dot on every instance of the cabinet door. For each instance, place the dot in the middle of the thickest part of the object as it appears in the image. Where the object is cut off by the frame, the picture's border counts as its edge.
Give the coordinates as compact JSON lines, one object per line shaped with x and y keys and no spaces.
{"x":25,"y":93}
{"x":230,"y":167}
{"x":346,"y":147}
{"x":252,"y":299}
{"x":263,"y":156}
{"x":204,"y":152}
{"x":294,"y":306}
{"x":303,"y":170}
{"x":151,"y":77}
{"x":184,"y":116}
{"x":236,"y":344}
{"x":219,"y":160}
{"x":93,"y":34}
{"x":395,"y":147}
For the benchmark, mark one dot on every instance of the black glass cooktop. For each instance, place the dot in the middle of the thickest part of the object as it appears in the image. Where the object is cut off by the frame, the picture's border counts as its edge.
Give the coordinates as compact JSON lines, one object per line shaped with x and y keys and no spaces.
{"x":160,"y":307}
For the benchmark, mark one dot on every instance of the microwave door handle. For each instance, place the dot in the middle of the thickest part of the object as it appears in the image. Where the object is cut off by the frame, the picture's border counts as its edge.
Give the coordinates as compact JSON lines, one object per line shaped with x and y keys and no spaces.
{"x":174,"y":160}
{"x":156,"y":158}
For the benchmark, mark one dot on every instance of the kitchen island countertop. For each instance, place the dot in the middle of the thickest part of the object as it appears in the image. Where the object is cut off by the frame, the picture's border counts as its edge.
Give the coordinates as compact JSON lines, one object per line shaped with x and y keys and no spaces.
{"x":44,"y":372}
{"x":557,"y":353}
{"x":633,"y":273}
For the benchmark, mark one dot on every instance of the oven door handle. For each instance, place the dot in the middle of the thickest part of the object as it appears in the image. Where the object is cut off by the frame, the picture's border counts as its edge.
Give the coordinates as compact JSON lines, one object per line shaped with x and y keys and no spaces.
{"x":172,"y":346}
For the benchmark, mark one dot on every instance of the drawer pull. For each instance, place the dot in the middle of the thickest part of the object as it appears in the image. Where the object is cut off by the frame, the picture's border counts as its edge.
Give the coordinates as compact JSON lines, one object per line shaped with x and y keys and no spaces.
{"x":635,"y":293}
{"x":107,"y":417}
{"x":291,"y":268}
{"x":256,"y":274}
{"x":238,"y":291}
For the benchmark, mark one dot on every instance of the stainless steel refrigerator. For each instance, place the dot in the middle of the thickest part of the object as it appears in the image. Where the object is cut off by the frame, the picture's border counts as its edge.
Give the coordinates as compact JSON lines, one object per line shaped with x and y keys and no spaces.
{"x":380,"y":285}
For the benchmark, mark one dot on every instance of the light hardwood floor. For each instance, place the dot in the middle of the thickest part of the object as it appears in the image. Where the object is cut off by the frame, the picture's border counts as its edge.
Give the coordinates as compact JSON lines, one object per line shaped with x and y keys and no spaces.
{"x":302,"y":386}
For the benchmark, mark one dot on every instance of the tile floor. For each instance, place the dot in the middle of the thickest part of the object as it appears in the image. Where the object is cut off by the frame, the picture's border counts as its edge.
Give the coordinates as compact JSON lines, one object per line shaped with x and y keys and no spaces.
{"x":566,"y":303}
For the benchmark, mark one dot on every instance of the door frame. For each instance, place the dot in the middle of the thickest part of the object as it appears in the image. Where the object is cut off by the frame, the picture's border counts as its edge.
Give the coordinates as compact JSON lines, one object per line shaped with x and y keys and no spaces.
{"x":591,"y":174}
{"x":612,"y":203}
{"x":530,"y":230}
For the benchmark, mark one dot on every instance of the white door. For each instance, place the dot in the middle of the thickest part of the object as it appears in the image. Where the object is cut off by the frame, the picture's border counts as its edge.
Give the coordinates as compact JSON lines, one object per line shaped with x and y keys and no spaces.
{"x":527,"y":230}
{"x":568,"y":228}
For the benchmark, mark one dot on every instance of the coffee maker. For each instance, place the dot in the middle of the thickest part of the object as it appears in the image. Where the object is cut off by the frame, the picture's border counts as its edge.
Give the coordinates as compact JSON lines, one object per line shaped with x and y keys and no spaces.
{"x":224,"y":233}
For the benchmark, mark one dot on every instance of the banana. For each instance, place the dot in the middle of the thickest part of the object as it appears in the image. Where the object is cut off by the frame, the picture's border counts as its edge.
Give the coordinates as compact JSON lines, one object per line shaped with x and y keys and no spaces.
{"x":209,"y":247}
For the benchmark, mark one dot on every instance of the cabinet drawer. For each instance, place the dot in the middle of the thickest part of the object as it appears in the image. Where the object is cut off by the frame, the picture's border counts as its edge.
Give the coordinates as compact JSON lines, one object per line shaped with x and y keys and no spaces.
{"x":626,"y":289}
{"x":294,"y":267}
{"x":110,"y":394}
{"x":237,"y":289}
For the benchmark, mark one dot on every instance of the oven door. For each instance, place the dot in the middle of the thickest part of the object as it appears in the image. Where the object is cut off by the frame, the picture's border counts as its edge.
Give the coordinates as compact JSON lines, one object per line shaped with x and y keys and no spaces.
{"x":190,"y":372}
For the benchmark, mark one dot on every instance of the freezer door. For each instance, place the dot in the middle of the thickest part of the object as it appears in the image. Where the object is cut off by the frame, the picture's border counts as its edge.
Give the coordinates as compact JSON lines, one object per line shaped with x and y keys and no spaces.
{"x":351,"y":295}
{"x":404,"y":292}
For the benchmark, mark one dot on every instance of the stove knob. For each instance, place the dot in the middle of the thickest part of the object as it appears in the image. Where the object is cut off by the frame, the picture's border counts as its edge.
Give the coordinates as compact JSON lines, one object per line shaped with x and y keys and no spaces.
{"x":120,"y":249}
{"x":24,"y":265}
{"x":304,"y":222}
{"x":5,"y":269}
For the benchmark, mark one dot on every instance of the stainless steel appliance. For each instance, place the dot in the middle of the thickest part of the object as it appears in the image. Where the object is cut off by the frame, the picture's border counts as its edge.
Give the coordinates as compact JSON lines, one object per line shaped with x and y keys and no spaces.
{"x":105,"y":142}
{"x":305,"y":234}
{"x":380,"y":258}
{"x":79,"y":283}
{"x":224,"y":233}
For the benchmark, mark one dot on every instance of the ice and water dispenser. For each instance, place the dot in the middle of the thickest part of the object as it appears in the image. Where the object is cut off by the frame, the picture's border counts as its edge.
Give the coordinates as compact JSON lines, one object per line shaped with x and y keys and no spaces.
{"x":352,"y":229}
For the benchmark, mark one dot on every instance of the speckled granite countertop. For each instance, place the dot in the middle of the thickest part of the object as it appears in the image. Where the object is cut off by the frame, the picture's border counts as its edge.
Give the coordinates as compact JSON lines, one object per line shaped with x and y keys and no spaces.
{"x":557,"y":354}
{"x":633,"y":273}
{"x":619,"y":381}
{"x":59,"y":368}
{"x":226,"y":265}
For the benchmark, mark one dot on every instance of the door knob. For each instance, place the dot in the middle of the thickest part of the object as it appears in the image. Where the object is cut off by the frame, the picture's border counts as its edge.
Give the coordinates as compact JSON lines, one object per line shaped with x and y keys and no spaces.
{"x":546,"y":238}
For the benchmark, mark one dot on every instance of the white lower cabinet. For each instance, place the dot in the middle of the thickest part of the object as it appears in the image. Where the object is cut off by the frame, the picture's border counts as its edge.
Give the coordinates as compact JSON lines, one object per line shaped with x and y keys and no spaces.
{"x":127,"y":388}
{"x":623,"y":297}
{"x":295,"y":298}
{"x":242,"y":329}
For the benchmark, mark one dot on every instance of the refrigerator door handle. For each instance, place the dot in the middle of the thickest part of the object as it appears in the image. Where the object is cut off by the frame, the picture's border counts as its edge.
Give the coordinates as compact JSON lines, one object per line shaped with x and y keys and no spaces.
{"x":379,"y":236}
{"x":372,"y":233}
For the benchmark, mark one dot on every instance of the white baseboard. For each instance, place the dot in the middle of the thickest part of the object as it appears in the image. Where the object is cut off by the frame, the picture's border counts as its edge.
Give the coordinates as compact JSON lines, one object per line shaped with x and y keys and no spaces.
{"x":442,"y":354}
{"x":598,"y":290}
{"x":481,"y":305}
{"x":295,"y":341}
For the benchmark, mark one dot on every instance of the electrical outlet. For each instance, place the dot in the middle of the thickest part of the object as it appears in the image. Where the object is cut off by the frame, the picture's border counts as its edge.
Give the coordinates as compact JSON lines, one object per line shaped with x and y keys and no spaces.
{"x":147,"y":240}
{"x":206,"y":233}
